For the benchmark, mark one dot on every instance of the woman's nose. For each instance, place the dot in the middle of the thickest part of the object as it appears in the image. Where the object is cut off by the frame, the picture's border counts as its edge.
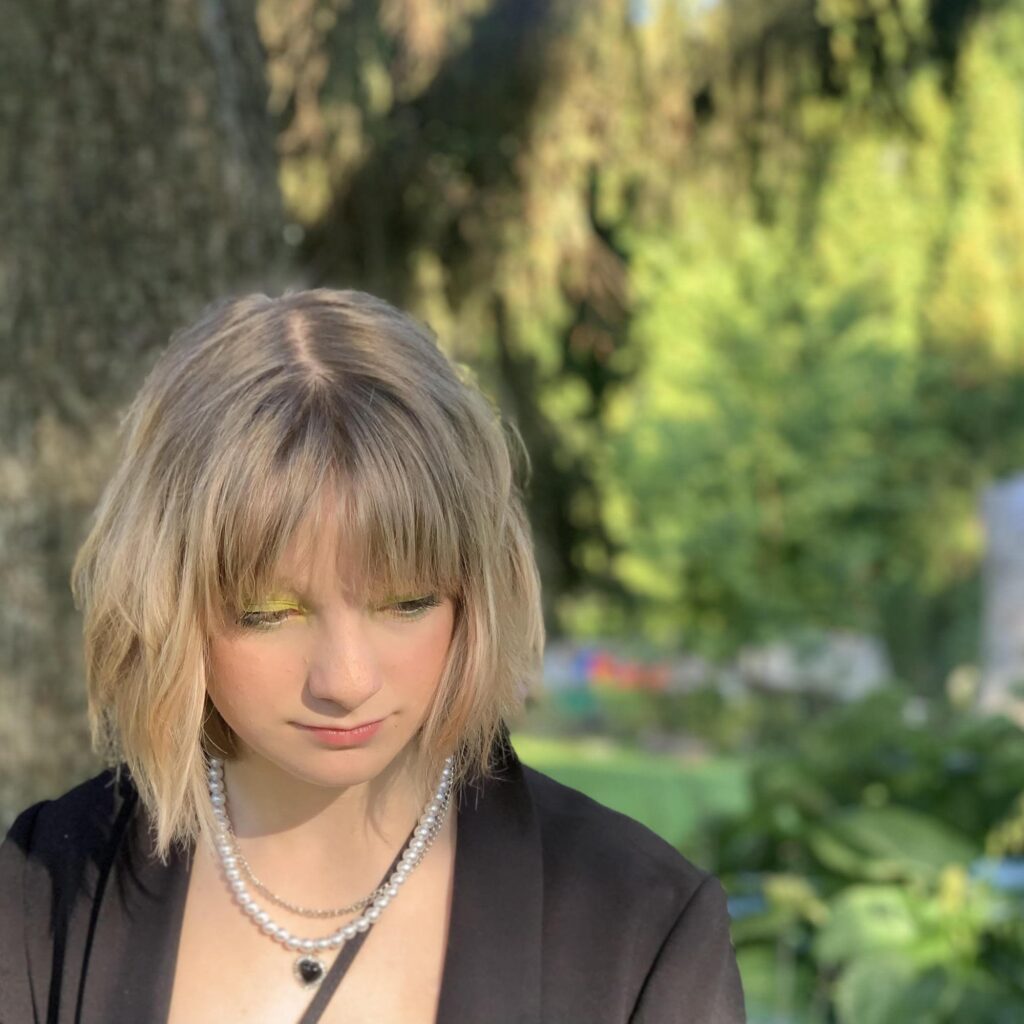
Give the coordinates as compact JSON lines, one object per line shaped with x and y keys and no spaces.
{"x":343,"y":668}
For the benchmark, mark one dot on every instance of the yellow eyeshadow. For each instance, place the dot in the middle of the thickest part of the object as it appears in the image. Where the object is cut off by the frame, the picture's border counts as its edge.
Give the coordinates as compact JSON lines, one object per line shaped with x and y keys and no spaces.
{"x":277,"y":603}
{"x":283,"y":603}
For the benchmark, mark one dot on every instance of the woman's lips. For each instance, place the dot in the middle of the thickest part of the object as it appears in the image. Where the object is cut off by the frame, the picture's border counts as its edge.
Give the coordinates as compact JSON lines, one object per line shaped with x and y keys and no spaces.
{"x":354,"y":737}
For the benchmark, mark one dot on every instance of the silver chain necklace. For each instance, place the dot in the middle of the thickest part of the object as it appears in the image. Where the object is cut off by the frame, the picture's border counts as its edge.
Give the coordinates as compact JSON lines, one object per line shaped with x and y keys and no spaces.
{"x":309,"y":969}
{"x":280,"y":901}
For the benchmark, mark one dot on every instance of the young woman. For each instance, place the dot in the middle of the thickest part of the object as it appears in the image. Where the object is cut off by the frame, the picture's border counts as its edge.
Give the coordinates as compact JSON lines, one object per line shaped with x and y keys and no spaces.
{"x":311,"y":604}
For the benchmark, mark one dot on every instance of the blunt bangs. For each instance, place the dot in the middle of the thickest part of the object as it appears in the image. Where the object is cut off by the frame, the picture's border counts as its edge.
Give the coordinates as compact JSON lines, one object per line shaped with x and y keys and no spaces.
{"x":393,"y":512}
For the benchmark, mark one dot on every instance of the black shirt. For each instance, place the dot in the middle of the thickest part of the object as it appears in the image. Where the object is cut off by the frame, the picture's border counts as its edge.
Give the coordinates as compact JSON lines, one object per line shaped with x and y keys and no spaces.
{"x":563,"y":911}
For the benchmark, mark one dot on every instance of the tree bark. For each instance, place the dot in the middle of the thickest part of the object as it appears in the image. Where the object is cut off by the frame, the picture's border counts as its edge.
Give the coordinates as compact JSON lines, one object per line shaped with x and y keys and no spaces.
{"x":139,"y":179}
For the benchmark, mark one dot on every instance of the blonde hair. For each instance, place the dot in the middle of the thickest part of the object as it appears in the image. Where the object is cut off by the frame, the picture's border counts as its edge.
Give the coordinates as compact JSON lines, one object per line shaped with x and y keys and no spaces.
{"x":255,"y":412}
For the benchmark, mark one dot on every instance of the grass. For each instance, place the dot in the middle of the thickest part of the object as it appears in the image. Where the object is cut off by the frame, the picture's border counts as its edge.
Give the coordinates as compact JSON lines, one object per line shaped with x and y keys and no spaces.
{"x":672,"y":796}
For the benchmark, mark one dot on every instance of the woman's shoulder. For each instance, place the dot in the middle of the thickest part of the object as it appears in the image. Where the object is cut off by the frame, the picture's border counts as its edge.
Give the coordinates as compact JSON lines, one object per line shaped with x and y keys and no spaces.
{"x":53,"y":862}
{"x":653,"y":926}
{"x":78,"y":819}
{"x":606,"y":847}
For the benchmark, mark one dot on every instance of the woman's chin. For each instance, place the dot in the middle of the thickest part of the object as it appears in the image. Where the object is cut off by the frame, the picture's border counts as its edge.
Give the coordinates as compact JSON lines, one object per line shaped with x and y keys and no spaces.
{"x":338,"y":769}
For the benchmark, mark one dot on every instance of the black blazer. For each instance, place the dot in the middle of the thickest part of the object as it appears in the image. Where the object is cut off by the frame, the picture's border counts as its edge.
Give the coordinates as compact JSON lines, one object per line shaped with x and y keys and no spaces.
{"x":563,"y":912}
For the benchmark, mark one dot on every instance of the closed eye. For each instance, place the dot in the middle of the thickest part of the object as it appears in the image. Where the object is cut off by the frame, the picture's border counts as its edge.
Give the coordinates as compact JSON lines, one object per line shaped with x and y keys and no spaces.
{"x":263,"y":620}
{"x":267,"y":618}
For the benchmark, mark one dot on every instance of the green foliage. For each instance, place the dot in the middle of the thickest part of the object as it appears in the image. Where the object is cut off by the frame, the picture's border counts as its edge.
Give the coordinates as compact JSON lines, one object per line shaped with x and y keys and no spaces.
{"x":887,"y":844}
{"x":829,"y":359}
{"x":862,"y":835}
{"x":964,"y":773}
{"x":912,"y":954}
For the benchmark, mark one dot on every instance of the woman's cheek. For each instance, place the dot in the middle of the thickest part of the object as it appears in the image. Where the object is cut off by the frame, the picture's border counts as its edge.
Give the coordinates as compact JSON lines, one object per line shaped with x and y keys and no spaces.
{"x":246,"y":667}
{"x":422,"y":657}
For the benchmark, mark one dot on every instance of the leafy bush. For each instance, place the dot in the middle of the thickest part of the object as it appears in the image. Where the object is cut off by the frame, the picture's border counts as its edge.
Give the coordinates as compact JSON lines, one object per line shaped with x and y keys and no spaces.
{"x":857,"y":860}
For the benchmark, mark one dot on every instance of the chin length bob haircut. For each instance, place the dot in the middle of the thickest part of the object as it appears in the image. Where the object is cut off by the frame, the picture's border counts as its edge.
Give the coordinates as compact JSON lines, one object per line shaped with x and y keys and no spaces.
{"x":264,"y":413}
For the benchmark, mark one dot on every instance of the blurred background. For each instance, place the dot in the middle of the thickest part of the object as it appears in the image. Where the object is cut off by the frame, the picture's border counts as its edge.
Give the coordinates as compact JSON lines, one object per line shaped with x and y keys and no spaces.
{"x":746,"y":275}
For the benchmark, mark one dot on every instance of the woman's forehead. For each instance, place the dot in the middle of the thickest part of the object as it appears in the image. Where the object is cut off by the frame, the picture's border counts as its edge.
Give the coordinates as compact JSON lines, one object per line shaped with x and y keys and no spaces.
{"x":325,"y":554}
{"x":320,"y":552}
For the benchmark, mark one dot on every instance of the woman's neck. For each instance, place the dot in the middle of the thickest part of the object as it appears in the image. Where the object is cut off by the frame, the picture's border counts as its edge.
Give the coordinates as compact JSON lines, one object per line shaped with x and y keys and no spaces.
{"x":325,"y":846}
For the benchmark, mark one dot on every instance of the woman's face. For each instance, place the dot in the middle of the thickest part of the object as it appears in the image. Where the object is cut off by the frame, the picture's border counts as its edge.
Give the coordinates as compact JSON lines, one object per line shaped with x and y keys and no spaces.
{"x":310,"y":655}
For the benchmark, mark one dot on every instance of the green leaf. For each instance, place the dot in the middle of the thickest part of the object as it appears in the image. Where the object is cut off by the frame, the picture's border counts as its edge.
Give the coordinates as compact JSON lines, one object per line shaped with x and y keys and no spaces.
{"x":889,"y":843}
{"x":872,"y":988}
{"x":866,"y":919}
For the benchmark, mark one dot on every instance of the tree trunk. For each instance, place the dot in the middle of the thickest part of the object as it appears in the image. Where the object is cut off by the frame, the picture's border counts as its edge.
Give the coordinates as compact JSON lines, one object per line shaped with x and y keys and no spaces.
{"x":139,"y":179}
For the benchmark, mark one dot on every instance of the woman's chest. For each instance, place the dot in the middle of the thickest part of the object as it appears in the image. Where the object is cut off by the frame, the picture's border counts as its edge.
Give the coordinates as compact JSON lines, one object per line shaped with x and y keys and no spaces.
{"x":228,"y":971}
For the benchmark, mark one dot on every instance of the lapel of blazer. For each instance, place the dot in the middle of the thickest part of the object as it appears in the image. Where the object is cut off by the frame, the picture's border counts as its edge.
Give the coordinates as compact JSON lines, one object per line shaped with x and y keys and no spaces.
{"x":134,"y":943}
{"x":492,"y":965}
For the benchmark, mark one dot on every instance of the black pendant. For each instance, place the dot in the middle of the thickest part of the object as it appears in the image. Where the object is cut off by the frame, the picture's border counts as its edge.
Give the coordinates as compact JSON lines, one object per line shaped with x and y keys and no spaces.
{"x":309,"y":970}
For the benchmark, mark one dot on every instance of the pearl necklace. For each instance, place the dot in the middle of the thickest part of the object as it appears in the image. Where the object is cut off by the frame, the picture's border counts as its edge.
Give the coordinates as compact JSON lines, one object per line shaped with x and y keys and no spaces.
{"x":309,"y":969}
